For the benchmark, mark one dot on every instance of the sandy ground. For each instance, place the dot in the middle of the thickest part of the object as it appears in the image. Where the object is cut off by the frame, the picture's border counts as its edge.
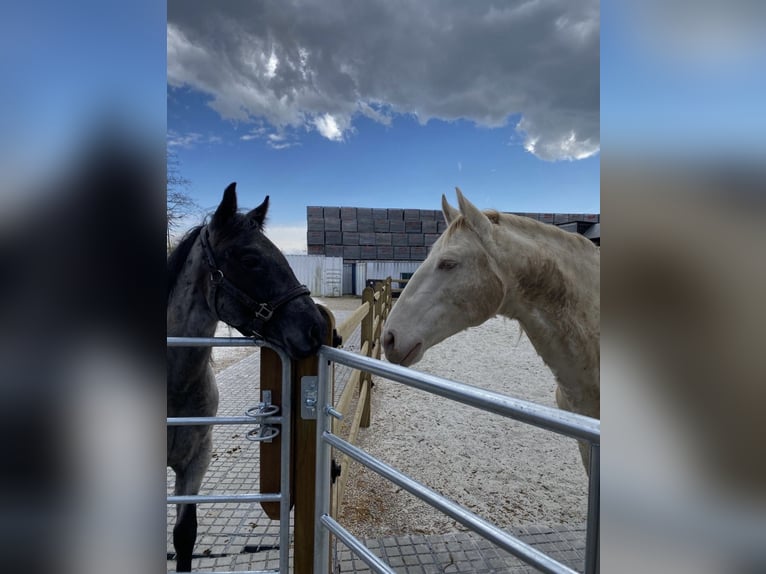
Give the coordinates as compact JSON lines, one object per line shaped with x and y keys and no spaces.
{"x":226,"y":356}
{"x":509,"y":473}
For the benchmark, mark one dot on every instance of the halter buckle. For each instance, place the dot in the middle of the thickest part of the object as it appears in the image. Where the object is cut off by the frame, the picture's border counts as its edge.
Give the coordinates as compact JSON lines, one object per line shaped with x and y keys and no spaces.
{"x":216,"y":276}
{"x":264,"y":312}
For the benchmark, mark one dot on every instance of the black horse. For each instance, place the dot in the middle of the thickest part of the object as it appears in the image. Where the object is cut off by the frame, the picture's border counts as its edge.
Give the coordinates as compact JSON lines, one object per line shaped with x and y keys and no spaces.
{"x":225,"y":271}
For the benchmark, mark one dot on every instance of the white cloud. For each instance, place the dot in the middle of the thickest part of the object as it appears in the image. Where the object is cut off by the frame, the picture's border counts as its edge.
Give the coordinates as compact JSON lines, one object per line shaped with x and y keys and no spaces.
{"x":328,"y":127}
{"x":271,"y":66}
{"x":289,"y":238}
{"x":282,"y":145}
{"x":560,"y":144}
{"x":189,"y":140}
{"x":175,"y":139}
{"x":379,"y":115}
{"x":283,"y":64}
{"x":275,"y":140}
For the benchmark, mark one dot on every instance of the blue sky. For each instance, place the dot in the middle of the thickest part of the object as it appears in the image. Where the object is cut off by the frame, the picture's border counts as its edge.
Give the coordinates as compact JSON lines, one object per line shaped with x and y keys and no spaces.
{"x":321,"y":108}
{"x":404,"y":165}
{"x":683,"y":81}
{"x":69,"y":66}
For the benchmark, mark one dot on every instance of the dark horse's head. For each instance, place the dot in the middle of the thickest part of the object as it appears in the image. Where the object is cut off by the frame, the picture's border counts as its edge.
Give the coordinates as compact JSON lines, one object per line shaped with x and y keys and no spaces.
{"x":249,"y":284}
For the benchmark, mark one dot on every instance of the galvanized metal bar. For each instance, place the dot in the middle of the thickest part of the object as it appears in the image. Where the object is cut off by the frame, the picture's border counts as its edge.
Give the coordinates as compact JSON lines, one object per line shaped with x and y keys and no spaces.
{"x":562,"y":422}
{"x":283,"y":419}
{"x":217,"y":342}
{"x":359,"y":549}
{"x":322,"y":487}
{"x":285,"y":470}
{"x":593,"y":532}
{"x":462,"y":515}
{"x":244,"y":420}
{"x":216,"y":498}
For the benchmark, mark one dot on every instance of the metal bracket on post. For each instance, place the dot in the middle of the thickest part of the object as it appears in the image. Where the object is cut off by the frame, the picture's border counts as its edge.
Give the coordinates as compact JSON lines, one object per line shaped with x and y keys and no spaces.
{"x":309,"y":397}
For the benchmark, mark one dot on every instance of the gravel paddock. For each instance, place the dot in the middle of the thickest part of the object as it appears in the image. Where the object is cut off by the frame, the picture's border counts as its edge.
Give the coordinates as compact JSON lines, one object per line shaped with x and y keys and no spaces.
{"x":507,"y":472}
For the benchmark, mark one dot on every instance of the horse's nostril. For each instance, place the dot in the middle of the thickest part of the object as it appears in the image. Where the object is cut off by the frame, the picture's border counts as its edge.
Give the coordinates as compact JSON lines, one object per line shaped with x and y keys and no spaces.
{"x":388,"y":340}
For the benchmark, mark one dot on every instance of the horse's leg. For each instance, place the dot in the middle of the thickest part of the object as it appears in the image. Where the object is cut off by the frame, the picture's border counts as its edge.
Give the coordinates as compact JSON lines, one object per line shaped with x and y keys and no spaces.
{"x":188,"y":481}
{"x":184,"y":535}
{"x":565,"y":405}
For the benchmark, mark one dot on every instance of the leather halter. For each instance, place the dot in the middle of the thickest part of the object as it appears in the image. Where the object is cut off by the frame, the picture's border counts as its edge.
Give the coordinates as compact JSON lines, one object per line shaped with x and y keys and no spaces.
{"x":262,"y":312}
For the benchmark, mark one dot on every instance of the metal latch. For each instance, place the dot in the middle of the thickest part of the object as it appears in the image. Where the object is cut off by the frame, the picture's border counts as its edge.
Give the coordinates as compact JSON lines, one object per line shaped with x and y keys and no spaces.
{"x":309,"y":397}
{"x":263,"y":432}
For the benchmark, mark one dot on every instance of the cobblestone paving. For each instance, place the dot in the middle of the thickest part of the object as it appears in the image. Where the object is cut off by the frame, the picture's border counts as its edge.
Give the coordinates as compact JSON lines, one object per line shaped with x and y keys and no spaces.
{"x":239,"y":536}
{"x":467,"y":553}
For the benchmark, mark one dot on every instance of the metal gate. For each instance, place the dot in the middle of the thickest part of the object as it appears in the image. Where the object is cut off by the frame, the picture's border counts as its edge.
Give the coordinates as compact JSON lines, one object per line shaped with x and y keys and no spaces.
{"x":563,"y":422}
{"x":270,"y":421}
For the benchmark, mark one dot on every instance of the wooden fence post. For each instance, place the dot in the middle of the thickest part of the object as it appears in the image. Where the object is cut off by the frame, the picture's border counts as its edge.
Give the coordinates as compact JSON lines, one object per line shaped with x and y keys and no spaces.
{"x":379,"y":307}
{"x":302,"y":453}
{"x":368,"y":296}
{"x":304,"y":470}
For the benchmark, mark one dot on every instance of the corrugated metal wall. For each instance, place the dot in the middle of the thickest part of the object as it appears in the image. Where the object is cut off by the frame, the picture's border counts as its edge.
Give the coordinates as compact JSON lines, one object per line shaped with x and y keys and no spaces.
{"x":383,"y":269}
{"x":322,"y":275}
{"x":361,"y":277}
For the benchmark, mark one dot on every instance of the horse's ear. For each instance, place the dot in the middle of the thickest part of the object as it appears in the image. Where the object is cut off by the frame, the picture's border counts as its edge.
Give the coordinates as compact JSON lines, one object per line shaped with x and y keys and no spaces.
{"x":450,"y":213}
{"x":479,"y":222}
{"x":258,"y":215}
{"x":228,"y":206}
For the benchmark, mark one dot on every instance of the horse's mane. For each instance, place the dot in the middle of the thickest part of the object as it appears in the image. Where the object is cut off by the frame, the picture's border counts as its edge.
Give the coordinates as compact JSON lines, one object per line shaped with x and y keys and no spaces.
{"x":178,"y":257}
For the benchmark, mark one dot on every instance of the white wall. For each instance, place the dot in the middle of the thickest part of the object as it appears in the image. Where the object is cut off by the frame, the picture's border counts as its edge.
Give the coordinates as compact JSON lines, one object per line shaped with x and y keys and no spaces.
{"x":322,"y":275}
{"x":383,"y":269}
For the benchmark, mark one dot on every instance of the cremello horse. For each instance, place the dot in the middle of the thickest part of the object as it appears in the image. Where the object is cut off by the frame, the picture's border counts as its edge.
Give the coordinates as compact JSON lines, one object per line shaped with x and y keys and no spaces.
{"x":490,"y":263}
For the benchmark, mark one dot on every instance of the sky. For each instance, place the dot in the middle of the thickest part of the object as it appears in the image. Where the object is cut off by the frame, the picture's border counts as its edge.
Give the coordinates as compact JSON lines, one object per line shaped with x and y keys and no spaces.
{"x":385,"y":104}
{"x":85,"y":64}
{"x":684,"y":79}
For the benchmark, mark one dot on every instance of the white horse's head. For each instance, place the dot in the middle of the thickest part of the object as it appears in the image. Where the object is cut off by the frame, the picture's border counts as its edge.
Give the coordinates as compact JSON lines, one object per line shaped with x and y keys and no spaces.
{"x":456,"y":287}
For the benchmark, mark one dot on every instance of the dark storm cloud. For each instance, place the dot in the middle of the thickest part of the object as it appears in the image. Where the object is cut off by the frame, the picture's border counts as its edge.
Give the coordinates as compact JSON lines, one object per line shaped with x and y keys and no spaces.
{"x":318,"y":64}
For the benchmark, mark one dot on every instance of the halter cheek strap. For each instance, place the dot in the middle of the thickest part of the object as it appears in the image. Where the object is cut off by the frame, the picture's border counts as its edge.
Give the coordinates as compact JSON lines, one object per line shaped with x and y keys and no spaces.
{"x":262,"y":312}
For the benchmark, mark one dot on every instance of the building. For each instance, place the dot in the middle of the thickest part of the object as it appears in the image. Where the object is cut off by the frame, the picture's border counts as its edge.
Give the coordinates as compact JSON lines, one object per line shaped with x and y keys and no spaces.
{"x":375,"y":243}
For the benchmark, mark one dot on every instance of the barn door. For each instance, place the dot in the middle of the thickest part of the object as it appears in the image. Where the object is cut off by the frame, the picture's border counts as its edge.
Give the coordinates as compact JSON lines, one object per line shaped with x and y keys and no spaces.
{"x":349,"y":278}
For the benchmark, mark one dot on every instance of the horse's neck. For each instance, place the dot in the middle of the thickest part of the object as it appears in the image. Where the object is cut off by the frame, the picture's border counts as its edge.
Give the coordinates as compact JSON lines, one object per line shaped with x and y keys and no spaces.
{"x":563,"y":325}
{"x":188,"y":315}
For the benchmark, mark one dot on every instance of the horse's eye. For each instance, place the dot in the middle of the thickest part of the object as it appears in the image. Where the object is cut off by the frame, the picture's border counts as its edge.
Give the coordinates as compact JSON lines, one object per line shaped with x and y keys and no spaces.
{"x":447,"y":264}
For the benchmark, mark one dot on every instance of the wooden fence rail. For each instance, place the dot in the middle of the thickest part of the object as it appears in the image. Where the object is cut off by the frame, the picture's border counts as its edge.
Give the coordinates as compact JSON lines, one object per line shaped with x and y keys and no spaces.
{"x":371,"y":314}
{"x":402,"y":284}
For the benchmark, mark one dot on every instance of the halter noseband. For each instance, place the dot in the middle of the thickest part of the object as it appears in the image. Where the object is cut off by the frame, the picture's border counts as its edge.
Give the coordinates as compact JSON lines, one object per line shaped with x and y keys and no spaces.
{"x":262,"y":312}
